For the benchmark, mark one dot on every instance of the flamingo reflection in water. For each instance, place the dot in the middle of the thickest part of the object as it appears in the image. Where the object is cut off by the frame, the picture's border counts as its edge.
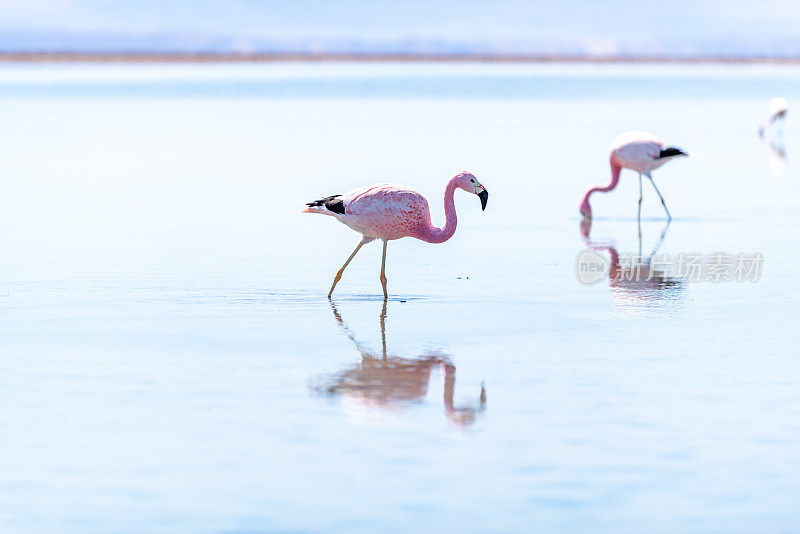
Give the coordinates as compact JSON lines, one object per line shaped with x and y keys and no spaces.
{"x":777,"y":155}
{"x":777,"y":158}
{"x":773,"y":137}
{"x":392,"y":382}
{"x":641,"y":284}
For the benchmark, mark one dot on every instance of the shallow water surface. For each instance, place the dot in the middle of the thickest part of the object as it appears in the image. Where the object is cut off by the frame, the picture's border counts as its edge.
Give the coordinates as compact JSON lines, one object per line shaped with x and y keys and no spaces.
{"x":170,"y":361}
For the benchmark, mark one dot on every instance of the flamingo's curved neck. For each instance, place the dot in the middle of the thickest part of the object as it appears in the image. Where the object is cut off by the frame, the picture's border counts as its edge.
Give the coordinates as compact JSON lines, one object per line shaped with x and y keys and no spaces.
{"x":615,"y":170}
{"x":431,"y":234}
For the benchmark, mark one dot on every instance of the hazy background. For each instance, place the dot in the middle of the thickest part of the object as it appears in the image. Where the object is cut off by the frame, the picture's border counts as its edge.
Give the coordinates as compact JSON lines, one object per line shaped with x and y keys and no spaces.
{"x":168,"y":355}
{"x":575,"y":27}
{"x":163,"y":319}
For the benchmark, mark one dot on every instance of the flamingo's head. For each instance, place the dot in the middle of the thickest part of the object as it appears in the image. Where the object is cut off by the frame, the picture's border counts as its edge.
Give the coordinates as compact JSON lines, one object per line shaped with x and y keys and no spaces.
{"x":470,"y":184}
{"x":586,"y":209}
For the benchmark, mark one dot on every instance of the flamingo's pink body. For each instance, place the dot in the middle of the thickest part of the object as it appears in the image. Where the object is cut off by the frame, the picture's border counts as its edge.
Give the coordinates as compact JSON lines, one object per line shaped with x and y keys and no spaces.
{"x":639,"y":151}
{"x":392,"y":211}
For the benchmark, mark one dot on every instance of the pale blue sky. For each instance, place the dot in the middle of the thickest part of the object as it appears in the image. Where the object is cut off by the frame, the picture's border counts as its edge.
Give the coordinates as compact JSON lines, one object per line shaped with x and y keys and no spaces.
{"x":572,"y":26}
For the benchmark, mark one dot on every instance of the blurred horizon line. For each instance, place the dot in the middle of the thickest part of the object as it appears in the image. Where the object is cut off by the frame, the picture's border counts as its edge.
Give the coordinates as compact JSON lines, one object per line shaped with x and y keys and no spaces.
{"x":266,"y":57}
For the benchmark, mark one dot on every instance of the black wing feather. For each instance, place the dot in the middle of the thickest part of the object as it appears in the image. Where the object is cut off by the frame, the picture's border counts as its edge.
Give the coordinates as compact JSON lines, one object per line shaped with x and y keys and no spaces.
{"x":671,"y":151}
{"x":332,"y":203}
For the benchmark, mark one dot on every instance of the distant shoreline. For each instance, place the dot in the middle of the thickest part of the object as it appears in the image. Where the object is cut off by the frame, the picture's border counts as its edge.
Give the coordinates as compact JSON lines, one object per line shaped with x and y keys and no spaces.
{"x":92,"y":57}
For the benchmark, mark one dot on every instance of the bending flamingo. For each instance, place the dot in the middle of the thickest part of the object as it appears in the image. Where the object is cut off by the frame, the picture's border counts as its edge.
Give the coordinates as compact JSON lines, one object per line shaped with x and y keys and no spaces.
{"x":391,"y":211}
{"x":778,"y":107}
{"x":641,"y":152}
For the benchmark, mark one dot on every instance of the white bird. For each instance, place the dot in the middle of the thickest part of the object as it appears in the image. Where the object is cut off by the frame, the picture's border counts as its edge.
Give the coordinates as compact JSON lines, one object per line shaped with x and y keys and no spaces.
{"x":778,"y":107}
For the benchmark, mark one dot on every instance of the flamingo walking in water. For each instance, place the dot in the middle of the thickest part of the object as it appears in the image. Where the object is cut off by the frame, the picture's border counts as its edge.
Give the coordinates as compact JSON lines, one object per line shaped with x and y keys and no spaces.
{"x":641,"y":152}
{"x":392,"y":211}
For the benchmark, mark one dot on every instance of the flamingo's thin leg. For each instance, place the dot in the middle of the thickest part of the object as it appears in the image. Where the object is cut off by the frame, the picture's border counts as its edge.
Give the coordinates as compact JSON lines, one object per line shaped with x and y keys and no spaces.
{"x":660,"y":239}
{"x":383,"y":328}
{"x":339,"y":274}
{"x":383,"y":271}
{"x":669,"y":217}
{"x":639,"y":213}
{"x":639,"y":226}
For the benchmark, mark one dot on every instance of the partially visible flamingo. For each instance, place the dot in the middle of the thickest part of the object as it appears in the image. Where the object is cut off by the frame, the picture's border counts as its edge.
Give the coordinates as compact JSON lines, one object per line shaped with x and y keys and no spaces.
{"x":391,"y":211}
{"x":641,"y":152}
{"x":778,"y":107}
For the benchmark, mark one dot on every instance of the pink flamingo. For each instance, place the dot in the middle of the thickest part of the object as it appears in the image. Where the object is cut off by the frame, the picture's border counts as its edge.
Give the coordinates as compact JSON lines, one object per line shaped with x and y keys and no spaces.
{"x":641,"y":152}
{"x":391,"y":211}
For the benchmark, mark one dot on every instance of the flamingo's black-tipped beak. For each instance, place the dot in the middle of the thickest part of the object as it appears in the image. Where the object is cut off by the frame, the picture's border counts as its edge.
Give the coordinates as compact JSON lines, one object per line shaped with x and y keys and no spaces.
{"x":484,"y":196}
